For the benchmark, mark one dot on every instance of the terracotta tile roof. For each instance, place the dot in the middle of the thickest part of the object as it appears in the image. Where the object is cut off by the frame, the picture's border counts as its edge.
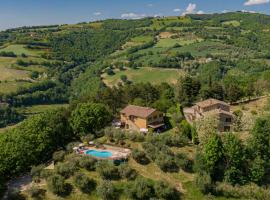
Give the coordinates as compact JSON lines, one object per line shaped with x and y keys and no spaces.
{"x":210,"y":102}
{"x":137,"y":111}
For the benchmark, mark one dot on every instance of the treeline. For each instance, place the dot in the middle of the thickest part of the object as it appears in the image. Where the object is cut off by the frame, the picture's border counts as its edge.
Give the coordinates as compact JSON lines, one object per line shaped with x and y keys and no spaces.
{"x":47,"y":92}
{"x":7,"y":54}
{"x":116,"y":24}
{"x":173,"y":61}
{"x":8,"y":116}
{"x":141,"y":47}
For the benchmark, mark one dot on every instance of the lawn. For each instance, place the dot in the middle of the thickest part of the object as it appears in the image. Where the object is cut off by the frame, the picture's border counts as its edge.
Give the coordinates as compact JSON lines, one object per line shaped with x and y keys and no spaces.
{"x":144,"y":74}
{"x":18,"y":49}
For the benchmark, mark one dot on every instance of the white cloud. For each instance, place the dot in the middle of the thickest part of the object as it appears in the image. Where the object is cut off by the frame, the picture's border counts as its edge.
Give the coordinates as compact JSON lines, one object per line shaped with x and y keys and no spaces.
{"x":97,"y":13}
{"x":176,"y":10}
{"x":248,"y":11}
{"x":190,"y":9}
{"x":225,"y":11}
{"x":150,"y":5}
{"x":255,"y":2}
{"x":200,"y":12}
{"x":132,"y":15}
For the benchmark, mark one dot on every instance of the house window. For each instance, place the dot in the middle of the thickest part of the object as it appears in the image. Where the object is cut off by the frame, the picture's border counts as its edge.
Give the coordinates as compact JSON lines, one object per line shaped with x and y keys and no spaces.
{"x":160,"y":115}
{"x":155,"y":117}
{"x":228,"y":119}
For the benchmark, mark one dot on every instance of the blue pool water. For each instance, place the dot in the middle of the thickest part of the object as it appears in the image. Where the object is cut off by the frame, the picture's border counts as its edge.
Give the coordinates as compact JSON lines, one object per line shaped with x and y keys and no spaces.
{"x":99,"y":154}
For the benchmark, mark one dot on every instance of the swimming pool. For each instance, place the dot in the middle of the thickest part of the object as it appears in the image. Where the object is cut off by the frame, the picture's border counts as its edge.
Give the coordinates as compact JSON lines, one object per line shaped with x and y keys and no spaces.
{"x":99,"y":154}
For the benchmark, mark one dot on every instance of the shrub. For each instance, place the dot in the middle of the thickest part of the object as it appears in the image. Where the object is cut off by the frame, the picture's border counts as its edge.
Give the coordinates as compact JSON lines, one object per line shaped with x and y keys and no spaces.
{"x":164,"y":191}
{"x":203,"y":182}
{"x":74,"y":159}
{"x":183,"y":162}
{"x":56,"y":184}
{"x":107,"y":170}
{"x":88,"y":163}
{"x":71,"y":145}
{"x":36,"y":171}
{"x":106,"y":190}
{"x":46,"y":173}
{"x":166,"y":163}
{"x":36,"y":193}
{"x":59,"y":156}
{"x":135,"y":137}
{"x":140,"y":157}
{"x":123,"y":78}
{"x":84,"y":183}
{"x":65,"y":169}
{"x":15,"y":195}
{"x":126,"y":172}
{"x":250,"y":191}
{"x":141,"y":188}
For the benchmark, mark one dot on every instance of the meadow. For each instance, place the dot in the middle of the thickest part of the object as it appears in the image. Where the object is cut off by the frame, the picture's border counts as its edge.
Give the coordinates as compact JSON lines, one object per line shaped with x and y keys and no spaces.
{"x":19,"y":49}
{"x":144,"y":74}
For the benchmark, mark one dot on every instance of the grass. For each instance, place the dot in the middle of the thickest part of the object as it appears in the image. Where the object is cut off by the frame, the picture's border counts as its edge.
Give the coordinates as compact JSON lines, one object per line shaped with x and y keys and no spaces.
{"x":18,"y":49}
{"x":7,"y":87}
{"x":234,"y":23}
{"x":169,"y":42}
{"x":144,"y":74}
{"x":37,"y":109}
{"x":142,"y":39}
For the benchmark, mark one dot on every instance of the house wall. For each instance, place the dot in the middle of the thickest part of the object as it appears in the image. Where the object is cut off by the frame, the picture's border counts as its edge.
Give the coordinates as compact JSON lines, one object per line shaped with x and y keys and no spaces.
{"x":155,"y":117}
{"x":225,"y":125}
{"x":135,"y":123}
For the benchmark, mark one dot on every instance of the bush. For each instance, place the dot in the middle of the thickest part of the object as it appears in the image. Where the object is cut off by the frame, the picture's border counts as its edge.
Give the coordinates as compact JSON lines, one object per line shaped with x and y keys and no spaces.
{"x":166,"y":163}
{"x":59,"y":156}
{"x":15,"y":195}
{"x":164,"y":191}
{"x":106,"y":190}
{"x":36,"y":193}
{"x":140,"y":157}
{"x":65,"y":169}
{"x":71,"y":145}
{"x":183,"y":162}
{"x":107,"y":170}
{"x":36,"y":171}
{"x":88,"y":163}
{"x":141,"y":188}
{"x":56,"y":184}
{"x":126,"y":172}
{"x":203,"y":182}
{"x":84,"y":183}
{"x":250,"y":191}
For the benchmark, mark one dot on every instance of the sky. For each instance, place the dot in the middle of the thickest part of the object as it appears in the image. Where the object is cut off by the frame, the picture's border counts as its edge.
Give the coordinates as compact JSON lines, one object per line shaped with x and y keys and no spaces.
{"x":16,"y":13}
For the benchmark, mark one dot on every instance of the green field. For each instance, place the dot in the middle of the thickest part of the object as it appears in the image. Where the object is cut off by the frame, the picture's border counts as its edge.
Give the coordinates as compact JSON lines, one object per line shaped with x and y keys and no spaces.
{"x":232,"y":23}
{"x":144,"y":74}
{"x":19,"y":49}
{"x":169,"y":42}
{"x":37,"y":109}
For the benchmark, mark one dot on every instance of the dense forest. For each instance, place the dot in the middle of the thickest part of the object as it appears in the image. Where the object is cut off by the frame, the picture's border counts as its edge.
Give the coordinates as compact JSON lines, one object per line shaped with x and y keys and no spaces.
{"x":93,"y":67}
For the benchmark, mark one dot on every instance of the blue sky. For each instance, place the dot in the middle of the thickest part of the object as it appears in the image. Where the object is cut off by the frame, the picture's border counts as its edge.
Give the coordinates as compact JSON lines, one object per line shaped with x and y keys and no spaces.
{"x":14,"y":13}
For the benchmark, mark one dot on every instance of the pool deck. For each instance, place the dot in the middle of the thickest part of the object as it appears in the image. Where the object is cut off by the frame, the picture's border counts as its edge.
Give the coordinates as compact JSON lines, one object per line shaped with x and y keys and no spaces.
{"x":117,"y":152}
